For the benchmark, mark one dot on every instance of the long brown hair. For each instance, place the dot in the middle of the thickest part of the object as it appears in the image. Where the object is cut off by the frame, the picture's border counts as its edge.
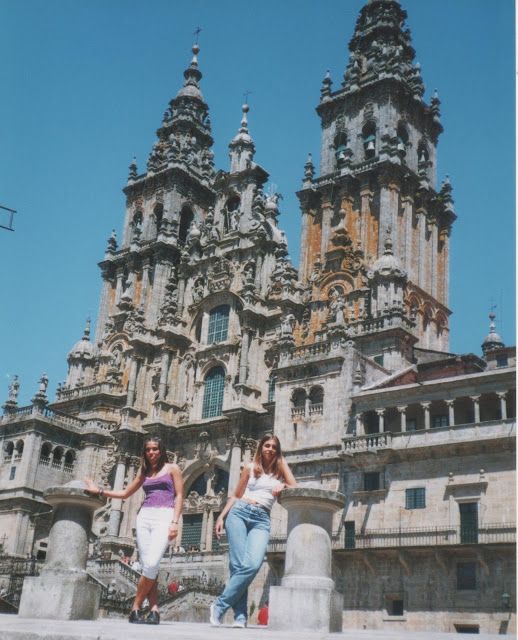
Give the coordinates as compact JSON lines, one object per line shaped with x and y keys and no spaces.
{"x":145,"y":465}
{"x":275,"y":468}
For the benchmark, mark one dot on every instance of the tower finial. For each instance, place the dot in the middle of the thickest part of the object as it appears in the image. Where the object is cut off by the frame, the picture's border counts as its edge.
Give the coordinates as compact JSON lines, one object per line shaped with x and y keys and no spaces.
{"x":86,"y":334}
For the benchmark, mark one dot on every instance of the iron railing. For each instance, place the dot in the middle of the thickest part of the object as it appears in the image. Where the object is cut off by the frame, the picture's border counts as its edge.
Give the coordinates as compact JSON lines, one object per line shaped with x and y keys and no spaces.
{"x":494,"y":533}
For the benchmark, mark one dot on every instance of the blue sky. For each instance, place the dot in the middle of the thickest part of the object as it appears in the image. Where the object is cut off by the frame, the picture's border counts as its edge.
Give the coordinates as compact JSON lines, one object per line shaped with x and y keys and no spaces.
{"x":85,"y":84}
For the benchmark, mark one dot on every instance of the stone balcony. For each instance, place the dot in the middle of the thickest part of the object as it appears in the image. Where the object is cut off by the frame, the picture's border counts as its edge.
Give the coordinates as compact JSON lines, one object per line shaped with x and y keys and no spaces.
{"x":436,"y":436}
{"x":106,"y":388}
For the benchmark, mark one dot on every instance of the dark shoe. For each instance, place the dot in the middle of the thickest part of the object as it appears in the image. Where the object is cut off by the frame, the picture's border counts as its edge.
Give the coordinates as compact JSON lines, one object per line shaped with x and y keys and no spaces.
{"x":135,"y":617}
{"x":153,"y":618}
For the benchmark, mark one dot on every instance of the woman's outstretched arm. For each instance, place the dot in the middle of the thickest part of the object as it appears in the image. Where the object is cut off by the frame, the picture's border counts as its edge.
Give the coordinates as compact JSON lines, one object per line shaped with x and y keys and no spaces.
{"x":133,"y":486}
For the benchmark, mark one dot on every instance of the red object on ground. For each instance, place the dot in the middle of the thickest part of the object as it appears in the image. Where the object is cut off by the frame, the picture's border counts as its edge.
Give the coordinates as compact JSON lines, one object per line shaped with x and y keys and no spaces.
{"x":262,"y":616}
{"x":173,"y":588}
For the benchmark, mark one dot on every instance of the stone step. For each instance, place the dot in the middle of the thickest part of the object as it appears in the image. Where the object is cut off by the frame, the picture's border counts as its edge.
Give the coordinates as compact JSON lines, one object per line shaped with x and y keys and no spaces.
{"x":16,"y":628}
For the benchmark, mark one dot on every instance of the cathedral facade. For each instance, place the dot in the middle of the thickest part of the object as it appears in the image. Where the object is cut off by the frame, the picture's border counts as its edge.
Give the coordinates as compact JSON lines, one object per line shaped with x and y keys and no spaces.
{"x":208,"y":336}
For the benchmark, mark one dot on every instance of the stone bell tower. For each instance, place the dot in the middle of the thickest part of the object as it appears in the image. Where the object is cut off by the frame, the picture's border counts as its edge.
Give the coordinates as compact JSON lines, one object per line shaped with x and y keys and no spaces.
{"x":373,"y":219}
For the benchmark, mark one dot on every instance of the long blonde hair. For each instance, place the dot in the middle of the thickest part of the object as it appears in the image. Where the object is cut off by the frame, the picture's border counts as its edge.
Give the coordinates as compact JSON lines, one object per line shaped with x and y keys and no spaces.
{"x":275,"y":468}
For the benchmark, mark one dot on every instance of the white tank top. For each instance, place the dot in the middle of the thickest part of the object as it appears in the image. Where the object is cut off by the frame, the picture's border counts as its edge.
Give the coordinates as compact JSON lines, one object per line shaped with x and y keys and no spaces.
{"x":260,"y":489}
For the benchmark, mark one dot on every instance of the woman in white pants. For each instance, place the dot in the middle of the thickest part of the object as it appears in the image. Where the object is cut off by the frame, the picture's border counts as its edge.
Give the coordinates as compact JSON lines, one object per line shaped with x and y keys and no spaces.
{"x":157,"y":520}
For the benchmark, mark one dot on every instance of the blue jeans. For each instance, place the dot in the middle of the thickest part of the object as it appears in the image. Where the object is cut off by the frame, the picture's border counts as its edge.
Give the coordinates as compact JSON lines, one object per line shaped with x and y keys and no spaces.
{"x":248,"y":532}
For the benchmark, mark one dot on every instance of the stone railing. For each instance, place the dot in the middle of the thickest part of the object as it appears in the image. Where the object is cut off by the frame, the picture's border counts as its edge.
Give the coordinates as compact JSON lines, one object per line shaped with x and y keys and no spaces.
{"x":116,"y":567}
{"x":60,"y":418}
{"x":312,"y":350}
{"x":21,"y":413}
{"x":429,"y":437}
{"x":504,"y":533}
{"x":369,"y":442}
{"x":111,"y":388}
{"x":316,"y":408}
{"x":297,"y":412}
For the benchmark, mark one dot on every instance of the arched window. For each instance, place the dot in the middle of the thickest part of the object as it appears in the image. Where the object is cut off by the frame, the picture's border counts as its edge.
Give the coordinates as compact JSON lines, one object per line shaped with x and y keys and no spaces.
{"x":199,"y":485}
{"x":220,"y":482}
{"x":213,"y":396}
{"x":19,"y":449}
{"x":340,"y":144}
{"x":8,"y":450}
{"x":158,"y":215}
{"x":402,"y":140}
{"x":316,"y":400}
{"x":70,"y":457}
{"x":218,"y":324}
{"x":46,"y":450}
{"x":369,"y":140}
{"x":229,"y":213}
{"x":422,"y":153}
{"x":57,"y":457}
{"x":186,"y":217}
{"x":298,"y":402}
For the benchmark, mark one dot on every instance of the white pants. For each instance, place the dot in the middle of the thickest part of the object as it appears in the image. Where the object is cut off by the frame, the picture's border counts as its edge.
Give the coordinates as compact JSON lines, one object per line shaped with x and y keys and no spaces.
{"x":152,"y":537}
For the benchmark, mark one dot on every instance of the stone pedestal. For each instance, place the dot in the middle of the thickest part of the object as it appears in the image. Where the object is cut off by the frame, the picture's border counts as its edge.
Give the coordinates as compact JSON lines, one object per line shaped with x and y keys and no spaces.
{"x":306,"y":599}
{"x":63,"y":591}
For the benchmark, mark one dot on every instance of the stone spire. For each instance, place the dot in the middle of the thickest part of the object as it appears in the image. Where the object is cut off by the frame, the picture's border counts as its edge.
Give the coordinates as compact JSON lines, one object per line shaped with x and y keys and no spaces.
{"x":381,"y":48}
{"x":185,"y":137}
{"x":493,"y":340}
{"x":242,"y":147}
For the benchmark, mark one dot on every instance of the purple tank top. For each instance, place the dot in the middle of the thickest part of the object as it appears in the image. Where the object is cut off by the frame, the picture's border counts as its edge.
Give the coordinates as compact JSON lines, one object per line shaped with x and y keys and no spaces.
{"x":159,"y":491}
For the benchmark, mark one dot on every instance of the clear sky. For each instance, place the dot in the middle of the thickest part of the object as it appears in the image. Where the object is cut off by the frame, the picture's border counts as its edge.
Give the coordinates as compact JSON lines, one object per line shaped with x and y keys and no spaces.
{"x":85,"y":84}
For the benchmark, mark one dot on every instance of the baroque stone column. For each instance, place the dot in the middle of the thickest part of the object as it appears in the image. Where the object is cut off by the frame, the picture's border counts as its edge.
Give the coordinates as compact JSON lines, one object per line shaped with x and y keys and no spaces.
{"x":476,"y":408}
{"x":381,"y":420}
{"x":360,"y":427}
{"x":402,"y":414}
{"x":116,"y":506}
{"x":426,"y":409}
{"x":503,"y":404}
{"x":451,"y":412}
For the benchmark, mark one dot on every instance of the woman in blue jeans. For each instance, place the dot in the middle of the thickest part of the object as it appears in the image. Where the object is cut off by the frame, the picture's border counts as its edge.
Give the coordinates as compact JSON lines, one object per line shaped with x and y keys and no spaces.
{"x":248,"y":525}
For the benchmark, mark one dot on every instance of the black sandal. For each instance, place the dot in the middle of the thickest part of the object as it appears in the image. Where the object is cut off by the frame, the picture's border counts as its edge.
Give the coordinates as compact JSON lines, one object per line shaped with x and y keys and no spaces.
{"x":135,"y":617}
{"x":153,"y":618}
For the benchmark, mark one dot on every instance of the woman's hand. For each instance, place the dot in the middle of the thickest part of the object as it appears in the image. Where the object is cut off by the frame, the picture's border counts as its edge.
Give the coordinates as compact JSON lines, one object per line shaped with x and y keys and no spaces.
{"x":220,"y":525}
{"x":277,"y":489}
{"x":91,"y":487}
{"x":173,"y":531}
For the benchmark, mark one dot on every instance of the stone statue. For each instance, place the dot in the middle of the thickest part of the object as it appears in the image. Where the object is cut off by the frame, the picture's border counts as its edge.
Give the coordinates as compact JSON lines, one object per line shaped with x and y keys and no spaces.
{"x":287,"y":325}
{"x":44,"y":383}
{"x":14,"y":388}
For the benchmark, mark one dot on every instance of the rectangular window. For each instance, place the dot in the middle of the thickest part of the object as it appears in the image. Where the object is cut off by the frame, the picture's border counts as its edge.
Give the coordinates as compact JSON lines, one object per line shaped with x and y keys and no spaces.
{"x":191,"y":531}
{"x":415,"y":498}
{"x":218,"y":324}
{"x":440,"y":421}
{"x":371,"y":481}
{"x":411,"y":424}
{"x":395,"y":606}
{"x":468,"y":522}
{"x":12,"y":473}
{"x":350,"y":538}
{"x":466,"y":576}
{"x":501,"y":361}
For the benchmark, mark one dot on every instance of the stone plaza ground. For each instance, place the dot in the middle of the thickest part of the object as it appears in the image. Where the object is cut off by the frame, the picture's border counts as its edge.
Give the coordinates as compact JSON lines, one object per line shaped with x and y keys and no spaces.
{"x":15,"y":628}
